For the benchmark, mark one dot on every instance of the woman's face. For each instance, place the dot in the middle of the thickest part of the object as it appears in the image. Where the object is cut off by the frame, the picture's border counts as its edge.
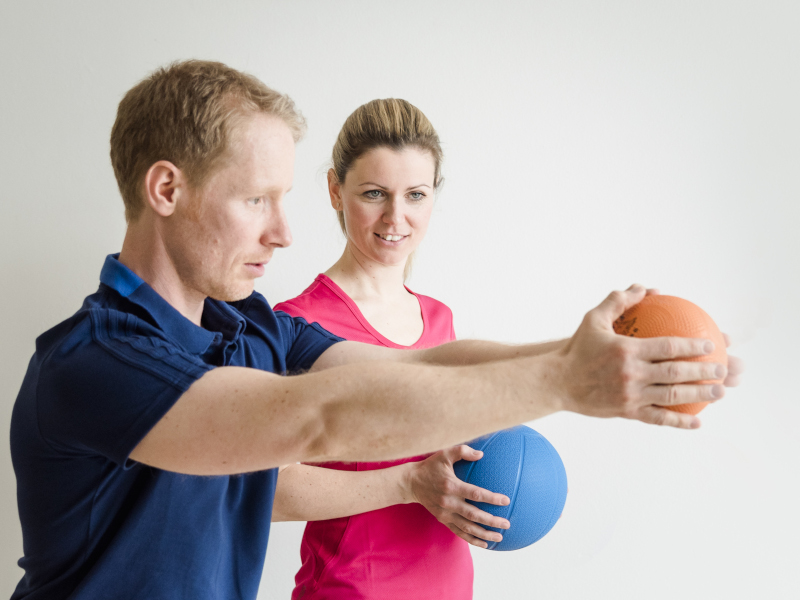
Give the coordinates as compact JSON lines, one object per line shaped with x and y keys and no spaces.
{"x":387,"y":199}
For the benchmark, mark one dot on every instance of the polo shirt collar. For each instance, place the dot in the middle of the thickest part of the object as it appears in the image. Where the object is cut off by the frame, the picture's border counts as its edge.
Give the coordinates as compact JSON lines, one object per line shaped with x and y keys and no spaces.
{"x":224,"y":321}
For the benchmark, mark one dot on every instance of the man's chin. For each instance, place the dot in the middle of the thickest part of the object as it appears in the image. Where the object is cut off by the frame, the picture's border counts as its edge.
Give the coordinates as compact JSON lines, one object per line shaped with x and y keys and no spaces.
{"x":232,"y":294}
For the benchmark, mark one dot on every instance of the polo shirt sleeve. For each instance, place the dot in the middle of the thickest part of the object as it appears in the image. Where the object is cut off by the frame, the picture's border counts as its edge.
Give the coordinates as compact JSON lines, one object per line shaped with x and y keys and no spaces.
{"x":108,"y":383}
{"x":300,"y":342}
{"x":308,"y":342}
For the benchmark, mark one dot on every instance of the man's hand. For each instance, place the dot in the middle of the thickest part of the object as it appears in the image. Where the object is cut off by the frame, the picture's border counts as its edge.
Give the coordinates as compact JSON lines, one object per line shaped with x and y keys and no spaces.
{"x":610,"y":375}
{"x":434,"y":485}
{"x":735,"y":367}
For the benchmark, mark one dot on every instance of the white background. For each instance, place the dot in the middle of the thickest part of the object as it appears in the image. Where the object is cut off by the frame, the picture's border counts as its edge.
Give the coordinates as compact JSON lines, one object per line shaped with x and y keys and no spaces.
{"x":588,"y":145}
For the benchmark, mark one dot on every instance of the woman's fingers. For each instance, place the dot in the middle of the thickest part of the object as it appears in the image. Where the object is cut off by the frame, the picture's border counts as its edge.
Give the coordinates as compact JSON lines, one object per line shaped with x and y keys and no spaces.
{"x":478,"y":494}
{"x":474,"y":514}
{"x":467,"y":537}
{"x":461,"y":452}
{"x":475,"y":531}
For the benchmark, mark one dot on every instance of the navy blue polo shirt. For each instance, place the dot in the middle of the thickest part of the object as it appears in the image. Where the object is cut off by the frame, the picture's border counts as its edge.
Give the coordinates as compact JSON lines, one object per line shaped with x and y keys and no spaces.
{"x":96,"y":524}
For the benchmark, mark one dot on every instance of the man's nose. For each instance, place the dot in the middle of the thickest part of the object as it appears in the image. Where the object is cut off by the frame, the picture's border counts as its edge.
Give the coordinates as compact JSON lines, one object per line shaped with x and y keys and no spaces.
{"x":277,"y":231}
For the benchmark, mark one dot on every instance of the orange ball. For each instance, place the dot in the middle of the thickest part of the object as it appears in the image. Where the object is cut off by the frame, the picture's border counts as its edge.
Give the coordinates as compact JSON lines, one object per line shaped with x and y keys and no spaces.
{"x":658,"y":316}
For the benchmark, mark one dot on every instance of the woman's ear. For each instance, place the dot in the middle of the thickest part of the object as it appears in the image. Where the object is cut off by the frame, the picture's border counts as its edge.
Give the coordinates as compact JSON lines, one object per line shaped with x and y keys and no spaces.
{"x":335,"y":190}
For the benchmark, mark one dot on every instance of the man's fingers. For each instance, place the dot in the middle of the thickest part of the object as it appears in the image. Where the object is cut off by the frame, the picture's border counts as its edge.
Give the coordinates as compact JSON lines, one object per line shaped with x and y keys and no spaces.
{"x":655,"y":415}
{"x":670,"y":395}
{"x":617,"y":303}
{"x":735,"y":369}
{"x":681,"y":371}
{"x":670,"y":348}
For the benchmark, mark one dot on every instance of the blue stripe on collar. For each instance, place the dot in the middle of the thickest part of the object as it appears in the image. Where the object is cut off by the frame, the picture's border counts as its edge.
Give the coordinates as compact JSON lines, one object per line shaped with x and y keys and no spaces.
{"x":119,"y":277}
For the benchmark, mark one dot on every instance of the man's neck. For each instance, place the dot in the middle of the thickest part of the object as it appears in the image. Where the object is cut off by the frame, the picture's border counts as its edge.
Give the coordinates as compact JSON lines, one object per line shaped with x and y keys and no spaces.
{"x":144,"y":253}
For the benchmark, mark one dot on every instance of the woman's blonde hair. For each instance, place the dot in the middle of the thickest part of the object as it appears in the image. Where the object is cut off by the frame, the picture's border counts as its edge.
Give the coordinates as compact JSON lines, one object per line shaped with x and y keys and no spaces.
{"x":390,"y":123}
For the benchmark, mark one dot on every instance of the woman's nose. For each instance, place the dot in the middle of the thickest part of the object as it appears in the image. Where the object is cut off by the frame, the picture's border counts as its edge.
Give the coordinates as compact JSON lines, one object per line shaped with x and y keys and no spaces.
{"x":394,"y":212}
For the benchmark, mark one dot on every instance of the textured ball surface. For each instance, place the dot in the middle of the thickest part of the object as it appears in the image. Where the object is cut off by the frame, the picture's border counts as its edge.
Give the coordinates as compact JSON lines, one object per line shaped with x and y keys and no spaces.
{"x":521,"y":464}
{"x":657,"y":316}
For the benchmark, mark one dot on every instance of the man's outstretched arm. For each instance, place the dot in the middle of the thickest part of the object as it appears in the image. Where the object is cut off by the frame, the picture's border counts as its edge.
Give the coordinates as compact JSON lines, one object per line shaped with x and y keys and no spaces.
{"x":471,"y":352}
{"x":235,"y":420}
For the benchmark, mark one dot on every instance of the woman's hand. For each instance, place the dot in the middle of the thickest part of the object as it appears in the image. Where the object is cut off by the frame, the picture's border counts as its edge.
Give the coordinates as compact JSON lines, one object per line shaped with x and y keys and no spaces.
{"x":433,"y":483}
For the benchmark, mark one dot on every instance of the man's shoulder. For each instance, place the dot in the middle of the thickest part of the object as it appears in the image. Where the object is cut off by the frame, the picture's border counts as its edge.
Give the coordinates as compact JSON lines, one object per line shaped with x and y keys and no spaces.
{"x":98,"y":319}
{"x":101,"y":336}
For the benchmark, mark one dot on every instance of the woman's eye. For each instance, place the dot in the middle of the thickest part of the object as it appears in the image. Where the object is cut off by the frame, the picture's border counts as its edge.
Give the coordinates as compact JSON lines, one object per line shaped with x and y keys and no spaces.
{"x":255,"y":201}
{"x":416,"y":195}
{"x":373,"y":194}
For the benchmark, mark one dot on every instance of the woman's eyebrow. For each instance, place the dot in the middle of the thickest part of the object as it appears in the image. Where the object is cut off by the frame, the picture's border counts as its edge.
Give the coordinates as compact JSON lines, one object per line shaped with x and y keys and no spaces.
{"x":372,"y":183}
{"x":383,"y":188}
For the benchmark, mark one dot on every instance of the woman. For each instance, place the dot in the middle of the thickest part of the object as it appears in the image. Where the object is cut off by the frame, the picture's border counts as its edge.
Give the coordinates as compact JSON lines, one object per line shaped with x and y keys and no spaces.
{"x":386,"y":169}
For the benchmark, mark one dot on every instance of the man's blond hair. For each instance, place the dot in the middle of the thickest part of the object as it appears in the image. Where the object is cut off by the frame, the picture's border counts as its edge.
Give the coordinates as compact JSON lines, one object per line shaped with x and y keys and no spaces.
{"x":184,"y":113}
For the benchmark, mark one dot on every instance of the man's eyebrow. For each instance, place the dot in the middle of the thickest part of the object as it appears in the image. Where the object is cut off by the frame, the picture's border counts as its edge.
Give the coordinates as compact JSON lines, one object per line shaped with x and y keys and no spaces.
{"x":266,"y":191}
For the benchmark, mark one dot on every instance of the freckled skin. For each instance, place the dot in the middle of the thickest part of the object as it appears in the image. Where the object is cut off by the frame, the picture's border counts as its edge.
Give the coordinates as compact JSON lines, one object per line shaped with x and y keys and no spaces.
{"x":237,"y":217}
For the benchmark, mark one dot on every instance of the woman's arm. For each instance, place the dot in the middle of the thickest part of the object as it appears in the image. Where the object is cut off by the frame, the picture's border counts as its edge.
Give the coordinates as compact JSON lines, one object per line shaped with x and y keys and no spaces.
{"x":458,"y":353}
{"x":309,"y":493}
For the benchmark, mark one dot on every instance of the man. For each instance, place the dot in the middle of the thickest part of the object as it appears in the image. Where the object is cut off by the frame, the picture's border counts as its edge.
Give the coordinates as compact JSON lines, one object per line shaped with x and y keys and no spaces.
{"x":149,"y":426}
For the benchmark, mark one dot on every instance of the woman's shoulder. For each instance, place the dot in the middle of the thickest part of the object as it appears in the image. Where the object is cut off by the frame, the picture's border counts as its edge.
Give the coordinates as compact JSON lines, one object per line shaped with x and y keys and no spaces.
{"x":309,"y":300}
{"x":434,"y":306}
{"x":323,"y":302}
{"x":438,"y":320}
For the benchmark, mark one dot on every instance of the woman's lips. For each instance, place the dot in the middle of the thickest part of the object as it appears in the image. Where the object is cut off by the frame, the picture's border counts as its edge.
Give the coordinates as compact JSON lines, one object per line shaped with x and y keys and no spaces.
{"x":391,"y":239}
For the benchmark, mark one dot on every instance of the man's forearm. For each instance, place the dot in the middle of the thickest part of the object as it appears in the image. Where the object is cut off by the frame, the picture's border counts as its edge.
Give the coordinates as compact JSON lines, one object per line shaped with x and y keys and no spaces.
{"x":390,"y":410}
{"x":237,"y":420}
{"x":309,"y":493}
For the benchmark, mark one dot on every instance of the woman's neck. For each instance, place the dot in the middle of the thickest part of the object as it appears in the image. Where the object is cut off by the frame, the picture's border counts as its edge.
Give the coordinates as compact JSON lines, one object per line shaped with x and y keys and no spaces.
{"x":366,"y":280}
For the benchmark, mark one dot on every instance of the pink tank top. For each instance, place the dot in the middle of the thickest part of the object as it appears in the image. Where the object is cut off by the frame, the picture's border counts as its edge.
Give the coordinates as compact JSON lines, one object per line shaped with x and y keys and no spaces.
{"x":400,"y":551}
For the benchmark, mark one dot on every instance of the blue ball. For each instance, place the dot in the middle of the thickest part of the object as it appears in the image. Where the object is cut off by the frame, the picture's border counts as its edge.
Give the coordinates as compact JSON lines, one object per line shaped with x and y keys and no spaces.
{"x":521,"y":464}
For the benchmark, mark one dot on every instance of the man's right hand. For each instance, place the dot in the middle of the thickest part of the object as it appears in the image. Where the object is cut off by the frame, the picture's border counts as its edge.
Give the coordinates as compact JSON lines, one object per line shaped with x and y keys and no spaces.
{"x":610,"y":375}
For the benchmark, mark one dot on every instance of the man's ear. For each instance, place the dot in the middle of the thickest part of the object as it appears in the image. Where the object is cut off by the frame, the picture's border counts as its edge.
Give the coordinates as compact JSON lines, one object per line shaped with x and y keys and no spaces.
{"x":335,"y":190}
{"x":163,"y":185}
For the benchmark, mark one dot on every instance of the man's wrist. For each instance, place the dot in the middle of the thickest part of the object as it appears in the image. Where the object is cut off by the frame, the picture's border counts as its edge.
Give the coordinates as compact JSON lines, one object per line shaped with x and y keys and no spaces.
{"x":553,"y":378}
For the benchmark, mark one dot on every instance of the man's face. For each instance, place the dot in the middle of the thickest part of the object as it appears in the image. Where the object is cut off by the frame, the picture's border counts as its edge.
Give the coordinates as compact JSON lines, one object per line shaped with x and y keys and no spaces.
{"x":223,"y":235}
